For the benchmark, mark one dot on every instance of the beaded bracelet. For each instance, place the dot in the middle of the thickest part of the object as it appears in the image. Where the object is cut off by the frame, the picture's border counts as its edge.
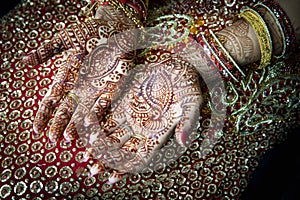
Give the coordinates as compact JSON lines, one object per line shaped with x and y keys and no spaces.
{"x":263,"y":35}
{"x":284,"y":25}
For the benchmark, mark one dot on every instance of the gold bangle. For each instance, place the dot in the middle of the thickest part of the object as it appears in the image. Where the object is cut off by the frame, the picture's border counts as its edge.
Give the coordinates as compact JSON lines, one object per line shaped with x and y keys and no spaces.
{"x":129,"y":11}
{"x":74,"y":97}
{"x":262,"y":33}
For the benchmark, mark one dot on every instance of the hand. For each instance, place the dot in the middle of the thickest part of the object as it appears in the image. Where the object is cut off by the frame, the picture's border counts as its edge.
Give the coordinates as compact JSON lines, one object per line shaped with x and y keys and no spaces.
{"x":101,"y":79}
{"x":77,"y":42}
{"x":162,"y":98}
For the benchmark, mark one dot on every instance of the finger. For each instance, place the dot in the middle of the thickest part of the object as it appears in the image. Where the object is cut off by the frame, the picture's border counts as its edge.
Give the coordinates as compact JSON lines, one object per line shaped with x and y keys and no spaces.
{"x":116,"y":176}
{"x":74,"y":127}
{"x":139,"y":159}
{"x":188,"y":122}
{"x":113,"y":86}
{"x":127,"y":152}
{"x":64,"y":81}
{"x":74,"y":37}
{"x":97,"y":111}
{"x":62,"y":118}
{"x":109,"y":124}
{"x":107,"y":144}
{"x":97,"y":168}
{"x":47,"y":106}
{"x":112,"y":142}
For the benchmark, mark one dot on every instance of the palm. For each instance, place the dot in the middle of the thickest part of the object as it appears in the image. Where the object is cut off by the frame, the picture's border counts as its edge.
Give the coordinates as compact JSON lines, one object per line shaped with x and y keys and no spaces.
{"x":162,"y":97}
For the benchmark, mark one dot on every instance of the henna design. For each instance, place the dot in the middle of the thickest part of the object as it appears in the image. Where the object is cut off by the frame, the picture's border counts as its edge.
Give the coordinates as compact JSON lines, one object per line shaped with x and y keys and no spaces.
{"x":64,"y":81}
{"x":162,"y":97}
{"x":76,"y":35}
{"x":241,"y":42}
{"x":61,"y":118}
{"x":73,"y":37}
{"x":81,"y":40}
{"x":101,"y":79}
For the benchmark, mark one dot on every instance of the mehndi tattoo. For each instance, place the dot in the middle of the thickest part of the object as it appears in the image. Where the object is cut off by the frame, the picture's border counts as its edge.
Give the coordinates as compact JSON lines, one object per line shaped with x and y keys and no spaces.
{"x":241,"y":42}
{"x":162,"y":98}
{"x":79,"y":40}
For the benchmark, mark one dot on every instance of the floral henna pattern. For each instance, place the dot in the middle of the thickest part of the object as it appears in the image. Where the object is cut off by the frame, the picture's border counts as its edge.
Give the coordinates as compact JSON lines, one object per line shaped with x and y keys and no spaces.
{"x":162,"y":97}
{"x":64,"y":81}
{"x":77,"y":42}
{"x":101,"y":79}
{"x":241,"y":42}
{"x":76,"y":36}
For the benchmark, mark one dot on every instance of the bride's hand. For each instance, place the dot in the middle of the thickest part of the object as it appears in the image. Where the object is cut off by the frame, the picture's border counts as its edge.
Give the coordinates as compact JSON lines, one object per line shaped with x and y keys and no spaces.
{"x":77,"y":41}
{"x":162,"y":99}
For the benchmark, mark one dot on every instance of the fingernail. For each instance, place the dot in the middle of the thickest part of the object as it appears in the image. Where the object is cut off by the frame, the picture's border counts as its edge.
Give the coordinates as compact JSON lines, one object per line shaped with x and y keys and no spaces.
{"x":94,"y":170}
{"x":109,"y":182}
{"x":85,"y":157}
{"x":52,"y":142}
{"x":86,"y":121}
{"x":36,"y":130}
{"x":66,"y":140}
{"x":35,"y":133}
{"x":66,"y":137}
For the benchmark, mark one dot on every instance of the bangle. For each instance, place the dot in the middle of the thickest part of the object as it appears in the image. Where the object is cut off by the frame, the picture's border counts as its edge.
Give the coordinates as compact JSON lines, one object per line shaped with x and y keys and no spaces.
{"x":262,"y":34}
{"x":136,"y":10}
{"x":130,"y":10}
{"x":285,"y":26}
{"x":221,"y":56}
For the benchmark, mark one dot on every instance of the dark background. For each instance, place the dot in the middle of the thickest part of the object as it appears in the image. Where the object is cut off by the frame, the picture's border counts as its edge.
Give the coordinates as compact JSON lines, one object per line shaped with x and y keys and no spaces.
{"x":7,"y":5}
{"x":278,"y":175}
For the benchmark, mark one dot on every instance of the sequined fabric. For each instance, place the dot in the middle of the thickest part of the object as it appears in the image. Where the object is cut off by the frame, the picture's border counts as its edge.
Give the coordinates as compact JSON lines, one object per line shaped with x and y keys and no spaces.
{"x":261,"y":107}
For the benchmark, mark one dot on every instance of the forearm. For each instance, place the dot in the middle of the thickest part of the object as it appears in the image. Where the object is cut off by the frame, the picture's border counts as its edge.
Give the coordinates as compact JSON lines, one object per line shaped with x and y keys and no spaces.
{"x":242,"y":41}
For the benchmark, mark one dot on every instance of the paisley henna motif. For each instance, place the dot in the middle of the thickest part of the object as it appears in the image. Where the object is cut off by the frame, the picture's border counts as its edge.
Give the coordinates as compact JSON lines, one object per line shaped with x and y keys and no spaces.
{"x":162,"y":97}
{"x":100,"y":80}
{"x":79,"y":40}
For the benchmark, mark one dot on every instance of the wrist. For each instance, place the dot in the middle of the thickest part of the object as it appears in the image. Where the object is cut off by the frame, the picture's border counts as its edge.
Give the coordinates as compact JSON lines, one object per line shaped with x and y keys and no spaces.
{"x":135,"y":10}
{"x":240,"y":41}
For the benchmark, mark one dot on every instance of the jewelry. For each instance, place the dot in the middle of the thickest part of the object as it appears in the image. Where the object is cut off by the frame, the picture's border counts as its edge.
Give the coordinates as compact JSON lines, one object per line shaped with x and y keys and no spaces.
{"x":134,"y":10}
{"x":262,"y":33}
{"x":285,"y":26}
{"x":220,"y":55}
{"x":73,"y":96}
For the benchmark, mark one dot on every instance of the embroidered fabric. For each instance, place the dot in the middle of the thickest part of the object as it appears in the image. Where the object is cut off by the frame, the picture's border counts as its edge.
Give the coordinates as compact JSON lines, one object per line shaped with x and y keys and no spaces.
{"x":261,"y":106}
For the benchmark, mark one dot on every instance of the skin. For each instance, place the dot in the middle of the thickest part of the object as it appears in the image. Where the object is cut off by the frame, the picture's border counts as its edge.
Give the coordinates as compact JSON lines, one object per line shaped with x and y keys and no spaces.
{"x":76,"y":49}
{"x":163,"y":97}
{"x":242,"y":43}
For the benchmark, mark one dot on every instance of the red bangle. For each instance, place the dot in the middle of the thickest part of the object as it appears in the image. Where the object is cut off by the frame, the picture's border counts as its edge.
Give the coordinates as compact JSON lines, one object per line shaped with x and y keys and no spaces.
{"x":226,"y":64}
{"x":285,"y":25}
